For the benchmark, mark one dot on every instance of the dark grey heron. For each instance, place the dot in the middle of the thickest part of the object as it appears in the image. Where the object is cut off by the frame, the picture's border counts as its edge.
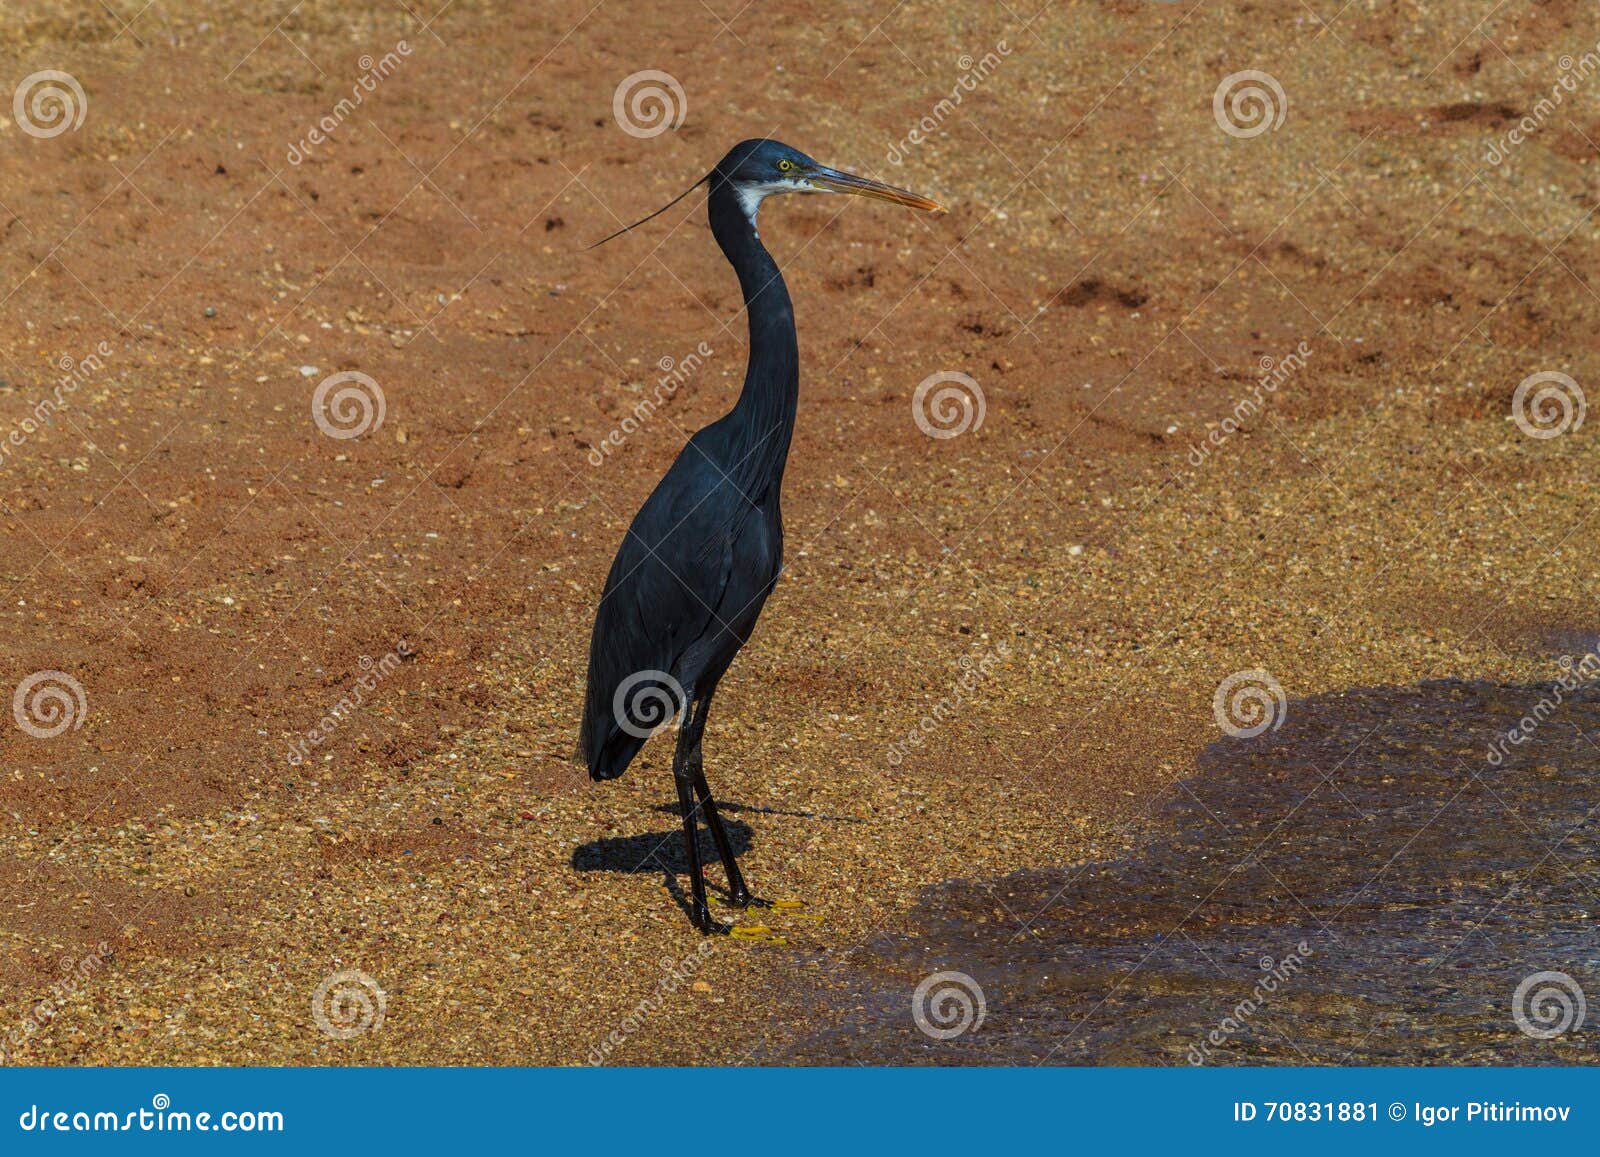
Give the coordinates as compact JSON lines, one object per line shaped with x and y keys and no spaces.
{"x":706,"y":548}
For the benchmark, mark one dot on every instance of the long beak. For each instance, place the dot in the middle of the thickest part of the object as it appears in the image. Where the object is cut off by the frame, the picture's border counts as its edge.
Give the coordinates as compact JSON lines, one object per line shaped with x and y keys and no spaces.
{"x":835,"y":181}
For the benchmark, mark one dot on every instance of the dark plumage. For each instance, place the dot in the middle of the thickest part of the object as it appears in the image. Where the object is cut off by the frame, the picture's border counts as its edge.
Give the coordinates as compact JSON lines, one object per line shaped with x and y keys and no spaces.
{"x":706,"y":548}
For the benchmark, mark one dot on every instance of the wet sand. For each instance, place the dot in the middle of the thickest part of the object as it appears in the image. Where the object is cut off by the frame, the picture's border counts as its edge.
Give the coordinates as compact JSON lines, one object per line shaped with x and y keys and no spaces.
{"x":1117,"y":273}
{"x":1363,"y":884}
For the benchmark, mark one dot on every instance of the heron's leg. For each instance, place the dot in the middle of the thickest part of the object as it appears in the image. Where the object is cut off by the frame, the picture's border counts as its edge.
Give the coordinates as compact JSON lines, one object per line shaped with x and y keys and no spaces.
{"x":683,"y":776}
{"x":738,"y":892}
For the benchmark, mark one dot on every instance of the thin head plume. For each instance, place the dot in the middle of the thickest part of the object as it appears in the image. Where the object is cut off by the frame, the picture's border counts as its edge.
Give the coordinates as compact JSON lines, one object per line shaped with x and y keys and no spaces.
{"x":657,"y":213}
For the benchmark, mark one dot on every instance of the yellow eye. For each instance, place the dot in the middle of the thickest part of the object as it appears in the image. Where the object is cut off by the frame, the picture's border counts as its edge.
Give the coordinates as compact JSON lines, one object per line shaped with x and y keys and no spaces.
{"x":785,"y":165}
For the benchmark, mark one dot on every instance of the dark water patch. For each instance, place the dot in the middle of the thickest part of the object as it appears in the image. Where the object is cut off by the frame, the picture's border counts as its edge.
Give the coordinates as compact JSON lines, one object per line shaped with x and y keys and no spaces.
{"x":1362,"y":886}
{"x":1573,"y":645}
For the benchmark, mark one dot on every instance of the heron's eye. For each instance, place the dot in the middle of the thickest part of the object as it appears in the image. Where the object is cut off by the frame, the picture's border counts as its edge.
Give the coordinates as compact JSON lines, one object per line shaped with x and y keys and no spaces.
{"x":785,"y":166}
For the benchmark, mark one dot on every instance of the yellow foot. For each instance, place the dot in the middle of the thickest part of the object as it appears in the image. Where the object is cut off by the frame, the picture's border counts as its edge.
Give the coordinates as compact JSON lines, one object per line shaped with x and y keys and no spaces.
{"x":792,"y":908}
{"x":757,"y":932}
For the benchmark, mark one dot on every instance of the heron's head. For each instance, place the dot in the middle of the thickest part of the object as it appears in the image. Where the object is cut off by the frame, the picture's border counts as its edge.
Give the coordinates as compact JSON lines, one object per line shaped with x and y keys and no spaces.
{"x":757,"y":169}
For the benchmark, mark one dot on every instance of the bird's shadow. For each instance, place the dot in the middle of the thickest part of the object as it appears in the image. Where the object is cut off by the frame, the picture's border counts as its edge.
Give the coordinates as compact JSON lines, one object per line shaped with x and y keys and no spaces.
{"x":664,"y":851}
{"x":650,"y":852}
{"x":659,"y":852}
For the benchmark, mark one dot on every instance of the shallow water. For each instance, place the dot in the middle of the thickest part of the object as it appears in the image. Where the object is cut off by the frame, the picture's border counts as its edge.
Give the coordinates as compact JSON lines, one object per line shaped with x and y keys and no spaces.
{"x":1362,"y":886}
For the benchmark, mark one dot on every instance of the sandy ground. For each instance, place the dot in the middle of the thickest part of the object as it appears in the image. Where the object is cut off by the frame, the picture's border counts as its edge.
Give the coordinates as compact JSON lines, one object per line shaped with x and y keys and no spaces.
{"x":181,"y":868}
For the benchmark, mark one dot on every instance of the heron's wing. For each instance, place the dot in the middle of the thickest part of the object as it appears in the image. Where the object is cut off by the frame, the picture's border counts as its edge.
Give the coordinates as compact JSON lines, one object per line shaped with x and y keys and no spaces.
{"x":661,"y":596}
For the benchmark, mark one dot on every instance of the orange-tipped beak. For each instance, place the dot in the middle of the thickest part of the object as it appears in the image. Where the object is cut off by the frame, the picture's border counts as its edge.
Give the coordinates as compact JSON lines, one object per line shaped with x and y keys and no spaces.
{"x":835,"y":181}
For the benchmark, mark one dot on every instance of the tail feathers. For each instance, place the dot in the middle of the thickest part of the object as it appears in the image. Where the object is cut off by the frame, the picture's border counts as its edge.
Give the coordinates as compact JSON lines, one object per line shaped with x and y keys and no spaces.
{"x":608,"y":753}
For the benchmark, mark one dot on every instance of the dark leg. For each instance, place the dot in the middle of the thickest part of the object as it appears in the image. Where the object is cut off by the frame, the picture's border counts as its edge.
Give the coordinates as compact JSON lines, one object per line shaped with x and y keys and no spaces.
{"x":683,"y":776}
{"x":738,"y":893}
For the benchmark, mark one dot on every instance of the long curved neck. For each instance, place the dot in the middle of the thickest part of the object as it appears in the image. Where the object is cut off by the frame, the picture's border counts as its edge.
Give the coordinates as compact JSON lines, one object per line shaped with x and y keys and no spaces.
{"x":765,"y":413}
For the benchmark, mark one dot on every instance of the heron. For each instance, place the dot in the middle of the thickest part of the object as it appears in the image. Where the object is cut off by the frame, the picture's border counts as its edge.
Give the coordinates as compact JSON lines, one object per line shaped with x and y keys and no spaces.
{"x":705,"y":550}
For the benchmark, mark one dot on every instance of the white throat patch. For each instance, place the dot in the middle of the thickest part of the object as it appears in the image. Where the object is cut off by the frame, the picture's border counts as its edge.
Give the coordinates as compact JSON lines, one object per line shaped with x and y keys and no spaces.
{"x":751,"y":196}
